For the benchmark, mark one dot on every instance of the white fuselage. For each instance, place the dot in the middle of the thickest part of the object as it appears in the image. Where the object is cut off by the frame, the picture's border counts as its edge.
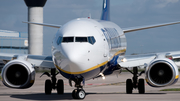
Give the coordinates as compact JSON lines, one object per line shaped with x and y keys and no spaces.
{"x":85,"y":47}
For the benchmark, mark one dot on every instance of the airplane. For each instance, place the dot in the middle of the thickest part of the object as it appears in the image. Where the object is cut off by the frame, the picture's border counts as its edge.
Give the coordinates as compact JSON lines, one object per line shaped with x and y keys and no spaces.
{"x":84,"y":49}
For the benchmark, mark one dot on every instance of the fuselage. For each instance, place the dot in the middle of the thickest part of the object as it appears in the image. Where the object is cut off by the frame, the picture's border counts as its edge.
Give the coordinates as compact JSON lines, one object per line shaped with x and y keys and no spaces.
{"x":85,"y":48}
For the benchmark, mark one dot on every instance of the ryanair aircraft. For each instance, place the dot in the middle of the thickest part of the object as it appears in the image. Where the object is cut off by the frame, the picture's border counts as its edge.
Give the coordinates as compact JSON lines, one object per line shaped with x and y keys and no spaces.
{"x":86,"y":48}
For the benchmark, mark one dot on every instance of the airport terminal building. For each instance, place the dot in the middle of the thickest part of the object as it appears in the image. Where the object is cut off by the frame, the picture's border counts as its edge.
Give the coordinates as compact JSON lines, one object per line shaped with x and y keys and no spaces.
{"x":13,"y":42}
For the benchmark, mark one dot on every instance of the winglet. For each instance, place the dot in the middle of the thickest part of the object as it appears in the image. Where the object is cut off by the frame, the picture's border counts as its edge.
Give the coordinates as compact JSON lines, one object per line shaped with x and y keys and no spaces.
{"x":106,"y":10}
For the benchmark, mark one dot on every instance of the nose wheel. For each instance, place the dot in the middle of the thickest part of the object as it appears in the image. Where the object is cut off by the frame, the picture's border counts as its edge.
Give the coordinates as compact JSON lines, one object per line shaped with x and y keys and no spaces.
{"x":78,"y":93}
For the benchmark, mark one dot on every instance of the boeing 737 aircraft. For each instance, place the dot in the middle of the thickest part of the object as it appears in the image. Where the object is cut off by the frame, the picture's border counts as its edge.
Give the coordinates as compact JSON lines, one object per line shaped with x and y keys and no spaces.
{"x":86,"y":48}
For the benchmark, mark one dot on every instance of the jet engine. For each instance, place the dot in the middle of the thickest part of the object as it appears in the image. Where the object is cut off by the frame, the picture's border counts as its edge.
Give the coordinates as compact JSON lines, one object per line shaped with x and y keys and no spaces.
{"x":161,"y":72}
{"x":18,"y":74}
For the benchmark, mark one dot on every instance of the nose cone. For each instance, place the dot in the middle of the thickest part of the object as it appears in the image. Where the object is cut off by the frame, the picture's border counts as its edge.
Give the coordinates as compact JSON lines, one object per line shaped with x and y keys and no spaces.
{"x":73,"y":57}
{"x":76,"y":58}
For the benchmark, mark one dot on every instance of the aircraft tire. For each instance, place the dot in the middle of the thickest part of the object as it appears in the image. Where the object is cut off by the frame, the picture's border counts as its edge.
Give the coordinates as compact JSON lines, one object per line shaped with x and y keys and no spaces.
{"x":60,"y":87}
{"x":74,"y":94}
{"x":81,"y":94}
{"x":48,"y":87}
{"x":141,"y":87}
{"x":129,"y":86}
{"x":78,"y":94}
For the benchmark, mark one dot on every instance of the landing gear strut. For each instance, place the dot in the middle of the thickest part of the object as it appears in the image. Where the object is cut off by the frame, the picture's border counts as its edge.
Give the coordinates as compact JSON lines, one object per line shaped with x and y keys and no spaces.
{"x":78,"y":93}
{"x":51,"y":84}
{"x":135,"y":83}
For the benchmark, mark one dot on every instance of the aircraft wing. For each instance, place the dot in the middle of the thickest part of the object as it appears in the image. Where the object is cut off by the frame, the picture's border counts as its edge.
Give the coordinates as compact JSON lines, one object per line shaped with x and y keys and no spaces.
{"x":143,"y":59}
{"x":36,"y":60}
{"x":135,"y":60}
{"x":44,"y":24}
{"x":126,"y":30}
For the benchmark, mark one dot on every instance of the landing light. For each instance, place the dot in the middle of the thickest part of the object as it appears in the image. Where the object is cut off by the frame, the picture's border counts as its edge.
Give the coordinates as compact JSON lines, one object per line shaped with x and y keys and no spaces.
{"x":103,"y":77}
{"x":123,"y":60}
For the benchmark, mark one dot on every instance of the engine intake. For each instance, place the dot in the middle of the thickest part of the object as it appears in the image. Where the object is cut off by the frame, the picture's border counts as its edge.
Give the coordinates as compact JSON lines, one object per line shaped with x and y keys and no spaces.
{"x":18,"y":74}
{"x":161,"y":72}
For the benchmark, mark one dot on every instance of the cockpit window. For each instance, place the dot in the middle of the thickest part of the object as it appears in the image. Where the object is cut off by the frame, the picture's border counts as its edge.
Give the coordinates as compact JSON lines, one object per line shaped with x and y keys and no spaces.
{"x":59,"y":40}
{"x":81,"y":39}
{"x":91,"y":40}
{"x":68,"y":39}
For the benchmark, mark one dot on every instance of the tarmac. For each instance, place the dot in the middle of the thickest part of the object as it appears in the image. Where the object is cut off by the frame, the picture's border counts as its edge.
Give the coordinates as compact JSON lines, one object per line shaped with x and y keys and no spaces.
{"x":113,"y":88}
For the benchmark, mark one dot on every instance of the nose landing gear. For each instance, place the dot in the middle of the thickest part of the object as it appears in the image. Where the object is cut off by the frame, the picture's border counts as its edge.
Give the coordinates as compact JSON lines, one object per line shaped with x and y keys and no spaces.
{"x":78,"y":93}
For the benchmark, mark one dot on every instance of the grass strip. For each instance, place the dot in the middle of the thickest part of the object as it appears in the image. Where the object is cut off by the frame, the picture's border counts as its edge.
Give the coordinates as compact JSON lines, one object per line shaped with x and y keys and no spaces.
{"x":171,"y":89}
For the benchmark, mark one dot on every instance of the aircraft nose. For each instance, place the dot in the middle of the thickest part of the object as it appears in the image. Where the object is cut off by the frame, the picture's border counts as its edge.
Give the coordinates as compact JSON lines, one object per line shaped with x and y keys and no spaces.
{"x":74,"y":57}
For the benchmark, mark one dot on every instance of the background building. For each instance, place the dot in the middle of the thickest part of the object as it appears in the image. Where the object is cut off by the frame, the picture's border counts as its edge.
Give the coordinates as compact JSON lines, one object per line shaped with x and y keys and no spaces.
{"x":13,"y":42}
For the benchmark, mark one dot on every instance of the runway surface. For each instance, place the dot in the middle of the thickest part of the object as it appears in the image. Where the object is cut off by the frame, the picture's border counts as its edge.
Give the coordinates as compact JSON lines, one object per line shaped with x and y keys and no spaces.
{"x":111,"y":89}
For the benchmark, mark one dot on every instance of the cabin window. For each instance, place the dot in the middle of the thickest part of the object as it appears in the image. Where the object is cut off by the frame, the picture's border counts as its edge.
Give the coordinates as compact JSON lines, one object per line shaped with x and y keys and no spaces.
{"x":68,"y":39}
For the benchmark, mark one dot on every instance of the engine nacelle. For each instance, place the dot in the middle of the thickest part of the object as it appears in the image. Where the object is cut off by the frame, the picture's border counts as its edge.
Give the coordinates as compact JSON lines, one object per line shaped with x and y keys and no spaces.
{"x":18,"y":74}
{"x":162,"y":72}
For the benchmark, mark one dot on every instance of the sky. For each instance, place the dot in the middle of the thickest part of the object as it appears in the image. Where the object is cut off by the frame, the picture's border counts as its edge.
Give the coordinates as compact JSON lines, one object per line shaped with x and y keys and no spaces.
{"x":125,"y":13}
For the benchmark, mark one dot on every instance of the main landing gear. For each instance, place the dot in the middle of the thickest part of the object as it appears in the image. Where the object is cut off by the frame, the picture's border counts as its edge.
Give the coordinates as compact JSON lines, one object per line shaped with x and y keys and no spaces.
{"x":51,"y":84}
{"x":135,"y":83}
{"x":78,"y":93}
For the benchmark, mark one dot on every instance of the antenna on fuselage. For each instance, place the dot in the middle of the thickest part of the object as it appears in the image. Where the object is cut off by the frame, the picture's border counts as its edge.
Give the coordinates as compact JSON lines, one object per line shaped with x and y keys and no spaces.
{"x":89,"y":17}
